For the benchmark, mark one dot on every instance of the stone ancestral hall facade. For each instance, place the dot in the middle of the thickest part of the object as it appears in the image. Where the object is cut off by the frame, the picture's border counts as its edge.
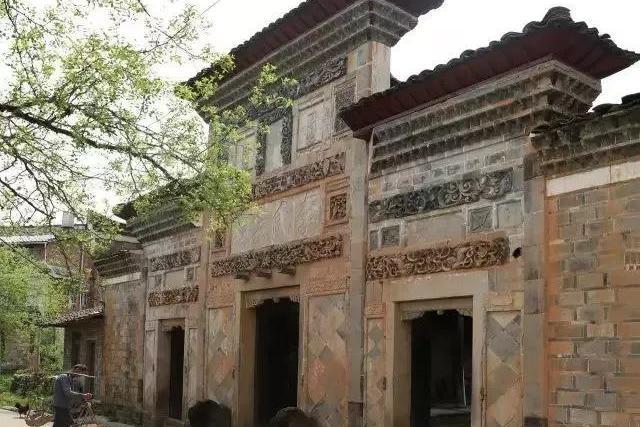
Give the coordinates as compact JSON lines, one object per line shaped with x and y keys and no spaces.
{"x":457,"y":249}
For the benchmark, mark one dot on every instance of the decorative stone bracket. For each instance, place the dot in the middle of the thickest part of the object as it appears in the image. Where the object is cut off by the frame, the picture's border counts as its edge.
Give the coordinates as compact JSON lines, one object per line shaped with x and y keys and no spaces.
{"x":466,"y":255}
{"x":280,"y":256}
{"x":488,"y":186}
{"x":173,"y":296}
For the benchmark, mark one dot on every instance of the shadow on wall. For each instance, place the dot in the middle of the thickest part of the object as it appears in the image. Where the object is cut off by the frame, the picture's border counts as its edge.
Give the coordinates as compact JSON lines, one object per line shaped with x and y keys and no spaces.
{"x":208,"y":413}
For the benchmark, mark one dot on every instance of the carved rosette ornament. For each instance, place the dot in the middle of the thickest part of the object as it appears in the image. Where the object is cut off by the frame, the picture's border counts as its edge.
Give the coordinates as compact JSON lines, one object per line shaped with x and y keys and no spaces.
{"x":489,"y":186}
{"x":477,"y":254}
{"x":173,"y":296}
{"x":175,"y":260}
{"x":280,"y":256}
{"x":309,"y":173}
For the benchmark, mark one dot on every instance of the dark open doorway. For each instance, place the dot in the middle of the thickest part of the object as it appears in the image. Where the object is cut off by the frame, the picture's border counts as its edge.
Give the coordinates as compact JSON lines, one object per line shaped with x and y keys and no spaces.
{"x":91,"y":364}
{"x":176,"y":362}
{"x":441,"y":380}
{"x":276,"y":358}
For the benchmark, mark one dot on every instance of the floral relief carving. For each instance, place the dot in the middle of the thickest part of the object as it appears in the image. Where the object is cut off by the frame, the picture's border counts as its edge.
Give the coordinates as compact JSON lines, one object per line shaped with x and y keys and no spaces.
{"x":325,"y":286}
{"x":175,"y":260}
{"x":344,"y":98}
{"x":489,"y":186}
{"x":280,"y":256}
{"x":173,"y":296}
{"x":294,"y":178}
{"x":466,"y":255}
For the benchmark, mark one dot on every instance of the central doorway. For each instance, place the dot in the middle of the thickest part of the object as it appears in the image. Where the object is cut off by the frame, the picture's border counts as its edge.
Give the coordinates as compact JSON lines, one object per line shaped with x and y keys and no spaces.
{"x":441,"y":369}
{"x":176,"y":367}
{"x":276,"y":373}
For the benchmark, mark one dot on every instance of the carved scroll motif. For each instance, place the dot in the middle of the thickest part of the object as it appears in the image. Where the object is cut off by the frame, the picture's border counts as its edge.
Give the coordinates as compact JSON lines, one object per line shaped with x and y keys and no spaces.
{"x":489,"y":186}
{"x":467,"y":255}
{"x":173,"y":296}
{"x":326,"y":286}
{"x":280,"y":256}
{"x":175,"y":260}
{"x":309,"y":173}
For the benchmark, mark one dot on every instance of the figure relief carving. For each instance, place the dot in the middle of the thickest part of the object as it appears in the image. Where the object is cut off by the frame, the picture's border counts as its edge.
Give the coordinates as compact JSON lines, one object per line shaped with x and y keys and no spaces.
{"x":173,"y":296}
{"x":489,"y":186}
{"x":338,"y":207}
{"x":466,"y":255}
{"x":280,"y":256}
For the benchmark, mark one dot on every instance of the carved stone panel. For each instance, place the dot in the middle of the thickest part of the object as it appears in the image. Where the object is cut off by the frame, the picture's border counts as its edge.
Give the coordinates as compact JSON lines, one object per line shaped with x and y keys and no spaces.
{"x":173,"y":296}
{"x":304,"y":175}
{"x":343,"y":98}
{"x":279,"y":256}
{"x":489,"y":186}
{"x":466,"y":255}
{"x":175,"y":260}
{"x":391,"y":236}
{"x":480,"y":219}
{"x":338,"y":208}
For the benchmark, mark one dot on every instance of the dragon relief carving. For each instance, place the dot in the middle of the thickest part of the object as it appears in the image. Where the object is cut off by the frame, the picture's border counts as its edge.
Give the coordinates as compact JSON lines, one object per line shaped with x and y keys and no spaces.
{"x":175,"y":260}
{"x":466,"y":255}
{"x":173,"y":296}
{"x":489,"y":186}
{"x":280,"y":256}
{"x":309,"y":173}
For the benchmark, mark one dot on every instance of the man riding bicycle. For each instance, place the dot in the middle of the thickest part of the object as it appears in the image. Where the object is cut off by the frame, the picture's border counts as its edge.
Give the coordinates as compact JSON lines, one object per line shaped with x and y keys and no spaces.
{"x":64,"y":397}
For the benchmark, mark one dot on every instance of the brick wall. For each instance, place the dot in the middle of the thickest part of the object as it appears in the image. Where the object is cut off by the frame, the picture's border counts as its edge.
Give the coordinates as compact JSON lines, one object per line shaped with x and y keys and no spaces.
{"x":593,"y":306}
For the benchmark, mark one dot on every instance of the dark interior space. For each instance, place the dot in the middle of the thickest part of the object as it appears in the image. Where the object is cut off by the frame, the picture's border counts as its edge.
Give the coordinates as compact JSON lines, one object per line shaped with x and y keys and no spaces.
{"x":276,"y":358}
{"x":441,"y":382}
{"x":91,"y":365}
{"x":75,"y":348}
{"x":176,"y":361}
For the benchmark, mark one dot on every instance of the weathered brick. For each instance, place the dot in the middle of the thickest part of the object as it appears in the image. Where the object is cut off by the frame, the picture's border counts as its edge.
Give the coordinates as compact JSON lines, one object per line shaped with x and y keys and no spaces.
{"x":570,"y":331}
{"x":627,"y":330}
{"x":601,"y":296}
{"x":588,"y":381}
{"x":583,"y":215}
{"x":571,"y":200}
{"x":624,"y":348}
{"x":583,"y":416}
{"x":623,"y":384}
{"x":591,"y":313}
{"x":626,"y":223}
{"x":590,"y":280}
{"x":571,"y":231}
{"x":617,"y":419}
{"x":596,"y":195}
{"x":629,"y":365}
{"x":602,"y":365}
{"x":571,"y":298}
{"x":561,"y":348}
{"x":628,"y":295}
{"x":630,"y":402}
{"x":570,"y":398}
{"x":601,"y":400}
{"x":623,"y":278}
{"x":592,"y":348}
{"x":586,"y":246}
{"x":580,"y":264}
{"x":626,"y":189}
{"x":601,"y":330}
{"x":558,"y":314}
{"x":559,"y":414}
{"x":623,"y":312}
{"x":598,"y":228}
{"x":570,"y":363}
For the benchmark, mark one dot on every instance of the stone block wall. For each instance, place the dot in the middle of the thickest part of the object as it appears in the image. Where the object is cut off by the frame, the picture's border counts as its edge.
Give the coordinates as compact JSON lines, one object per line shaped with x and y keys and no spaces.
{"x":593,"y":297}
{"x":123,"y":351}
{"x":87,"y":331}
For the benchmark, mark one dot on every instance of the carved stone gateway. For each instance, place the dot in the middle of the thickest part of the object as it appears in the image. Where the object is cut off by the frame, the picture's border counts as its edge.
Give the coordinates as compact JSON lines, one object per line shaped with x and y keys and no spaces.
{"x":466,"y":255}
{"x":489,"y":186}
{"x":173,"y":296}
{"x":304,"y":175}
{"x":281,"y":256}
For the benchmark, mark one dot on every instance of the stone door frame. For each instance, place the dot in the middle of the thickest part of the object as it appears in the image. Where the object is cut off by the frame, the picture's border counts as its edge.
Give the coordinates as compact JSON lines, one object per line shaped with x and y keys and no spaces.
{"x":246,"y":345}
{"x":162,"y":364}
{"x":421,"y":293}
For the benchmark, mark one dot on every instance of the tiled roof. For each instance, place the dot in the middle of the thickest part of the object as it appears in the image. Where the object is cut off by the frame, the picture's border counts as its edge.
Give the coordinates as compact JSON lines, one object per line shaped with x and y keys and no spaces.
{"x":627,"y":102}
{"x":27,"y":239}
{"x":77,"y":316}
{"x":556,"y":36}
{"x":296,"y":22}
